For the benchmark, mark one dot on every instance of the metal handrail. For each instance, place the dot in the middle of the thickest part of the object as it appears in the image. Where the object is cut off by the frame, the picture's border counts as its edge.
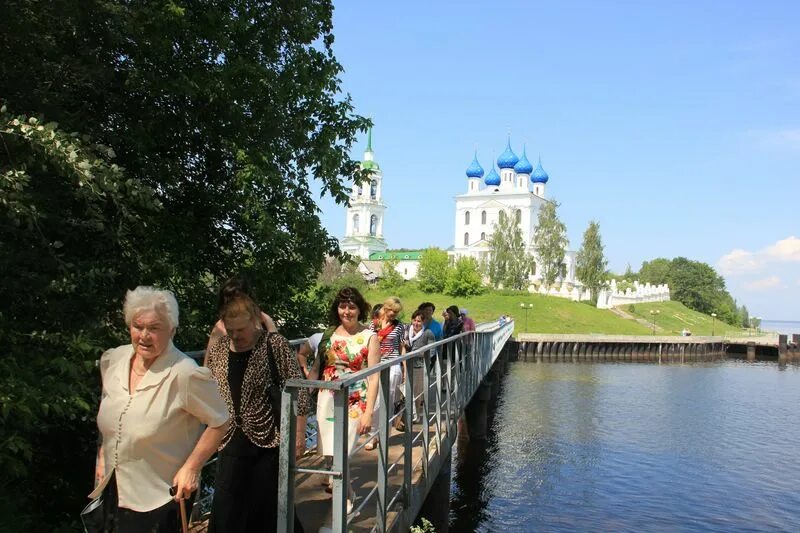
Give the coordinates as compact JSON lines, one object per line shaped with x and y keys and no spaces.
{"x":455,"y":379}
{"x":365,"y":373}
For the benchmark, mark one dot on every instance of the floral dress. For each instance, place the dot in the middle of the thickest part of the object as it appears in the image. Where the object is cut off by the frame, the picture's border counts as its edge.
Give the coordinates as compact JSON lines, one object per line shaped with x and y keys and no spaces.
{"x":344,"y":354}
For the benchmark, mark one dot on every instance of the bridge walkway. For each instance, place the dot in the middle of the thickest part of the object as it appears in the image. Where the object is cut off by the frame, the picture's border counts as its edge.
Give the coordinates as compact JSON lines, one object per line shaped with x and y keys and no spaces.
{"x":392,"y":481}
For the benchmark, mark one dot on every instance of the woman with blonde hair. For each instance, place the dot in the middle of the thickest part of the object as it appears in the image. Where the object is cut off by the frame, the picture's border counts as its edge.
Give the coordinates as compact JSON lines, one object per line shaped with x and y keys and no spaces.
{"x":390,"y":332}
{"x":155,"y":404}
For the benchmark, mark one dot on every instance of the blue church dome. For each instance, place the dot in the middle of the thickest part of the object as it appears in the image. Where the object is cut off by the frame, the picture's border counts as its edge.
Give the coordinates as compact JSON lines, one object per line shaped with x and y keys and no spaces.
{"x":523,"y":166}
{"x":492,"y":178}
{"x":508,"y":158}
{"x":475,"y":170}
{"x":539,"y":175}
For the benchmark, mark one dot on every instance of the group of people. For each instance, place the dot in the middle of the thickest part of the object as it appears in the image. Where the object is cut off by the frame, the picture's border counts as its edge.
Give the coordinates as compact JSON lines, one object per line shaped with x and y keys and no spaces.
{"x":162,"y":416}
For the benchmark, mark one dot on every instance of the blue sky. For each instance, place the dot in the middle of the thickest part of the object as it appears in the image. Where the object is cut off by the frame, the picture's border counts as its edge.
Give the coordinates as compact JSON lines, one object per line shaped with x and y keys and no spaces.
{"x":675,"y":125}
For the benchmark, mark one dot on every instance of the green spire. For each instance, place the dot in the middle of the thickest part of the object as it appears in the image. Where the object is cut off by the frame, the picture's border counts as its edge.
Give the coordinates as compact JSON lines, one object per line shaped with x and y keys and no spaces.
{"x":369,"y":162}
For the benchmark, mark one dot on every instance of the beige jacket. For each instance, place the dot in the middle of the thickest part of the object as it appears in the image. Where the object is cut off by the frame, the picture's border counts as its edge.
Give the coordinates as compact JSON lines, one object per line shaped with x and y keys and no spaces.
{"x":148,"y":436}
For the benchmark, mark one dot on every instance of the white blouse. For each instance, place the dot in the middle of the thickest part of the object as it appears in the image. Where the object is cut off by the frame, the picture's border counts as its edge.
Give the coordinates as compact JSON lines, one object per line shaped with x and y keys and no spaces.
{"x":147,"y":436}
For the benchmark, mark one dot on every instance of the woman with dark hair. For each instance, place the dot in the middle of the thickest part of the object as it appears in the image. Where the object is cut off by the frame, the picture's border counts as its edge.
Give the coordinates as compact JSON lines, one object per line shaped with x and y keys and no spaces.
{"x":351,"y":347}
{"x":232,"y":288}
{"x":249,"y":363}
{"x":452,"y":324}
{"x":418,"y":337}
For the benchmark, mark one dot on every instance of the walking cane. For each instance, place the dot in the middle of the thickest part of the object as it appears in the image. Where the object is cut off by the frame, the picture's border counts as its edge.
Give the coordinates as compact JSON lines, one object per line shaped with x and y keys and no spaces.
{"x":184,"y":522}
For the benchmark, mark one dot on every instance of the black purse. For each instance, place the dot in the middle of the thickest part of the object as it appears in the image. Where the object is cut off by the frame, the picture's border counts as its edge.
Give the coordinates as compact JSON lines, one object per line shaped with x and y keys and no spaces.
{"x":99,"y":516}
{"x":93,"y":516}
{"x":275,"y":389}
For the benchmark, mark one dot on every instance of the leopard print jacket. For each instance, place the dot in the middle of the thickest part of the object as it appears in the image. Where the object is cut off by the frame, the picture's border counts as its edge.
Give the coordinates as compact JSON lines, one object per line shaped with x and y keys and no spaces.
{"x":256,"y":418}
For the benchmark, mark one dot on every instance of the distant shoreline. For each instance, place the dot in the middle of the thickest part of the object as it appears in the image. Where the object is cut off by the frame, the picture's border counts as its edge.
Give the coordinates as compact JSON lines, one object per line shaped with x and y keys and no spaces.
{"x":786,"y":327}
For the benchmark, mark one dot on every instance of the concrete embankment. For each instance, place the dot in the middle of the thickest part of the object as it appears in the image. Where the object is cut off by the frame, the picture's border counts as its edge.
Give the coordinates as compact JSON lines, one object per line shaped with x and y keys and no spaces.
{"x":552,"y":347}
{"x":655,"y":348}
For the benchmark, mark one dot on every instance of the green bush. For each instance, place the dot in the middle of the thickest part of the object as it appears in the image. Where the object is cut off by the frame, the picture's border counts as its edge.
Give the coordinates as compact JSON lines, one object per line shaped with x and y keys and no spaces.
{"x":464,"y":278}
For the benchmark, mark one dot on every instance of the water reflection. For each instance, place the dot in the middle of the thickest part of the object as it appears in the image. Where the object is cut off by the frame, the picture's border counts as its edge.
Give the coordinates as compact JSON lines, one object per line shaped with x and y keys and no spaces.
{"x":635,"y":447}
{"x":473,"y":460}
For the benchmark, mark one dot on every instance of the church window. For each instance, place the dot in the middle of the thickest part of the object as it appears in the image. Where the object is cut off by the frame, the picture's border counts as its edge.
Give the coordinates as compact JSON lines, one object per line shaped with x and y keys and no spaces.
{"x":466,"y":218}
{"x":518,"y":216}
{"x":483,"y":217}
{"x":483,"y":236}
{"x":373,"y":189}
{"x":373,"y":225}
{"x":405,"y":272}
{"x":355,"y":224}
{"x":466,"y":239}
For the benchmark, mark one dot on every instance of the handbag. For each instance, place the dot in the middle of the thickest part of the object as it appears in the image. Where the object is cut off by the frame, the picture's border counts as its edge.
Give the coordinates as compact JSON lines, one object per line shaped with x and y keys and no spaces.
{"x":93,"y":516}
{"x":99,"y":516}
{"x":275,"y":389}
{"x":399,"y":408}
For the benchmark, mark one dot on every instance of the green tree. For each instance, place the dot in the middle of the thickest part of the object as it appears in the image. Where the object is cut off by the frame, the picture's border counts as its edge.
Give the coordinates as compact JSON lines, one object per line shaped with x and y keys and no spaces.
{"x":591,"y":262}
{"x":550,"y":242}
{"x":509,"y":263}
{"x":693,"y":283}
{"x":72,"y":228}
{"x":434,"y":266}
{"x":464,"y":279}
{"x":744,"y":317}
{"x":696,"y":285}
{"x":655,"y":272}
{"x":390,"y":279}
{"x":221,"y":114}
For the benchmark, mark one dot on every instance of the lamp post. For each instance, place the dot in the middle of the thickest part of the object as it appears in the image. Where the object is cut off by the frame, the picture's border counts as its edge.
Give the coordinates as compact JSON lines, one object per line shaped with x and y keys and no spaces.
{"x":713,"y":321}
{"x":758,"y":325}
{"x":526,"y":307}
{"x":653,"y":314}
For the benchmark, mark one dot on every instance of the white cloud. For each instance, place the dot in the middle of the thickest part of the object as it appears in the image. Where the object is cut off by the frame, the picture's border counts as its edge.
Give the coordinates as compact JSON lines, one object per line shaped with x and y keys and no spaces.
{"x":761,"y":284}
{"x":738,"y":261}
{"x":787,"y":250}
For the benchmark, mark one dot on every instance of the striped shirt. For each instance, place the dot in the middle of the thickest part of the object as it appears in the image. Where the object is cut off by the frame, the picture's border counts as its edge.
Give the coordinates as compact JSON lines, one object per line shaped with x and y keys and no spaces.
{"x":390,"y":344}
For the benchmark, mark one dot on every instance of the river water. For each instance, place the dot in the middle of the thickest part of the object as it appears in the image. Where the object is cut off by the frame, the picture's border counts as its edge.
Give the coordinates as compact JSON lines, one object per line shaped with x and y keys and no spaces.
{"x":635,"y":447}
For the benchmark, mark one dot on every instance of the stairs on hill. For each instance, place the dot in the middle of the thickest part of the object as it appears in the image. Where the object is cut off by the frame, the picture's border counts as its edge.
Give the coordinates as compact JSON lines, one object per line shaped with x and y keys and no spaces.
{"x":627,"y":316}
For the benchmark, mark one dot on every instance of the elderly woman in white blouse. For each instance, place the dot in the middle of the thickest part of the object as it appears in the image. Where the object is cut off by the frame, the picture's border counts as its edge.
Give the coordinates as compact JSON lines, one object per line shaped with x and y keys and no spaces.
{"x":155,"y":404}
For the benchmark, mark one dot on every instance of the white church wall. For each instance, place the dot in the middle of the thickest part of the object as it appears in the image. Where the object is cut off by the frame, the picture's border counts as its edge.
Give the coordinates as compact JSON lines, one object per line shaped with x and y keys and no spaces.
{"x":640,"y":293}
{"x":407,"y":268}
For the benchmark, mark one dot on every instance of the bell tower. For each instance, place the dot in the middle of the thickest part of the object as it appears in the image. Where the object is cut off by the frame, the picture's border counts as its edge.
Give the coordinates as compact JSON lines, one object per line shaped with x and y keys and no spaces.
{"x":364,"y":225}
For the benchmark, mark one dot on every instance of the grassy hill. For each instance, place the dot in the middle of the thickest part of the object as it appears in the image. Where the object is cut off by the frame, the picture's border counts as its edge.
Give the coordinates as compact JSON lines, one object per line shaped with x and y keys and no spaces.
{"x":556,"y":315}
{"x":672,"y":317}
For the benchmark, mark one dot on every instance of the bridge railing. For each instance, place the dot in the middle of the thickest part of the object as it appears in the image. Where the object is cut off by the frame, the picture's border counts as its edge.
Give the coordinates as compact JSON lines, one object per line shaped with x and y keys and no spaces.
{"x":452,"y":370}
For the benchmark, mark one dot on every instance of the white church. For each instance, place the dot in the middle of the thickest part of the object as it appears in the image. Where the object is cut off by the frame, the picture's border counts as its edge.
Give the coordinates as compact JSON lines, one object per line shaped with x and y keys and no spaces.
{"x":518,"y":190}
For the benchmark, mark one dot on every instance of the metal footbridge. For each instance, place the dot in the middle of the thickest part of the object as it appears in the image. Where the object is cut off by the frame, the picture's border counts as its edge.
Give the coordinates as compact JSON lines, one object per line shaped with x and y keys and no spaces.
{"x":392,"y":481}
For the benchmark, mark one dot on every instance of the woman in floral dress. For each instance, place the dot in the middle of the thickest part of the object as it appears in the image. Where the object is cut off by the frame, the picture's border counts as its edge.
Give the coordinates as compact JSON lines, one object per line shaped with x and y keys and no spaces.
{"x":350,"y":348}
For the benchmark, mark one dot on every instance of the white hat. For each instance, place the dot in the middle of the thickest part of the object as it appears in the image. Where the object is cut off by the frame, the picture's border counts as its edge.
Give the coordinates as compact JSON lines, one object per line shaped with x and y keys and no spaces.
{"x":462,"y":311}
